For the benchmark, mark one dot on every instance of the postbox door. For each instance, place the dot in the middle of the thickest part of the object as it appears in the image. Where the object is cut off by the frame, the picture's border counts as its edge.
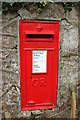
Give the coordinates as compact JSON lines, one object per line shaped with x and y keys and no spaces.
{"x":39,"y":67}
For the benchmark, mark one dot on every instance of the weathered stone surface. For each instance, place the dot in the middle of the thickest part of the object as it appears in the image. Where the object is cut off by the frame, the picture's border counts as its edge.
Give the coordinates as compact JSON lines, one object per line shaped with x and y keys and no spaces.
{"x":9,"y":42}
{"x":64,"y":22}
{"x":53,"y":11}
{"x":68,"y":72}
{"x":24,"y":114}
{"x":11,"y":27}
{"x":70,"y":40}
{"x":8,"y":16}
{"x":36,"y":112}
{"x":25,"y":14}
{"x":72,"y":16}
{"x":69,"y":69}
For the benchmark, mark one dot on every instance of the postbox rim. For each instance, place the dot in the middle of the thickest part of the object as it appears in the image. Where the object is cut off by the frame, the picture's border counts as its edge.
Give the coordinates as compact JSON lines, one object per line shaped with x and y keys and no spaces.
{"x":42,"y":19}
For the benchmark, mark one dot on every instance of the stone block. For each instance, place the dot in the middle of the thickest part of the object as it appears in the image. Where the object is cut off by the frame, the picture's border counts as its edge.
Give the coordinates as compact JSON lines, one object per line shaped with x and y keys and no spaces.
{"x":70,"y":41}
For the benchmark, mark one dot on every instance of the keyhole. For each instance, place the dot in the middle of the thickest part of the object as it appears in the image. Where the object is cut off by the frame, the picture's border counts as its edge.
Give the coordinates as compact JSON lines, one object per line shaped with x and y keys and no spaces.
{"x":31,"y":77}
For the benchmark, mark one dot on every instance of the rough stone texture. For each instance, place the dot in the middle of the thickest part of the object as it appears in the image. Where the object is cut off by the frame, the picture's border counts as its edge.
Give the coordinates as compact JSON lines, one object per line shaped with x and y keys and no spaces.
{"x":70,"y":40}
{"x":53,"y":11}
{"x":29,"y":13}
{"x":72,"y":16}
{"x":68,"y":66}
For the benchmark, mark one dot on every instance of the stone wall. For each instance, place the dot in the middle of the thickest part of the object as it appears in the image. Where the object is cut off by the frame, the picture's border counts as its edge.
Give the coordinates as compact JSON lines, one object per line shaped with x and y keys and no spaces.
{"x":68,"y":66}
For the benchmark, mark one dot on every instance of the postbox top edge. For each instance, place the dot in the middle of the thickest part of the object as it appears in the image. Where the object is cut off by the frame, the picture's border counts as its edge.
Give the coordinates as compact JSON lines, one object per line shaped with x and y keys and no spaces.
{"x":39,"y":20}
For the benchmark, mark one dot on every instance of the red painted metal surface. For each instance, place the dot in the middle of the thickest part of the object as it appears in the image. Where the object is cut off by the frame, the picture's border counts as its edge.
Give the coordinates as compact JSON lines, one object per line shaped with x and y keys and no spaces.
{"x":38,"y":89}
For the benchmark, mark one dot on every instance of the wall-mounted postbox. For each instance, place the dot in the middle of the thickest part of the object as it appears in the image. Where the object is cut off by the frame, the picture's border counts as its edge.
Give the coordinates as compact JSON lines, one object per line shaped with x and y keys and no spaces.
{"x":39,"y":46}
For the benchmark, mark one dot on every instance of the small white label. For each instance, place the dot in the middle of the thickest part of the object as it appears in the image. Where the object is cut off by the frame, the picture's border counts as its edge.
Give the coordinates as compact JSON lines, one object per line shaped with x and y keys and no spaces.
{"x":39,"y":61}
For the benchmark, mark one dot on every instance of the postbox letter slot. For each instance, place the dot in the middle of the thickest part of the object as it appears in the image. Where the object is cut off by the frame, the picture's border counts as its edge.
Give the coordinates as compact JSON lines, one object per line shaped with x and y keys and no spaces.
{"x":39,"y":37}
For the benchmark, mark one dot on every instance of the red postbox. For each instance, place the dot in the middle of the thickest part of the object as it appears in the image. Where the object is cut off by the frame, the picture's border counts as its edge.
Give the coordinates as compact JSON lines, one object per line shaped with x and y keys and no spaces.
{"x":39,"y":47}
